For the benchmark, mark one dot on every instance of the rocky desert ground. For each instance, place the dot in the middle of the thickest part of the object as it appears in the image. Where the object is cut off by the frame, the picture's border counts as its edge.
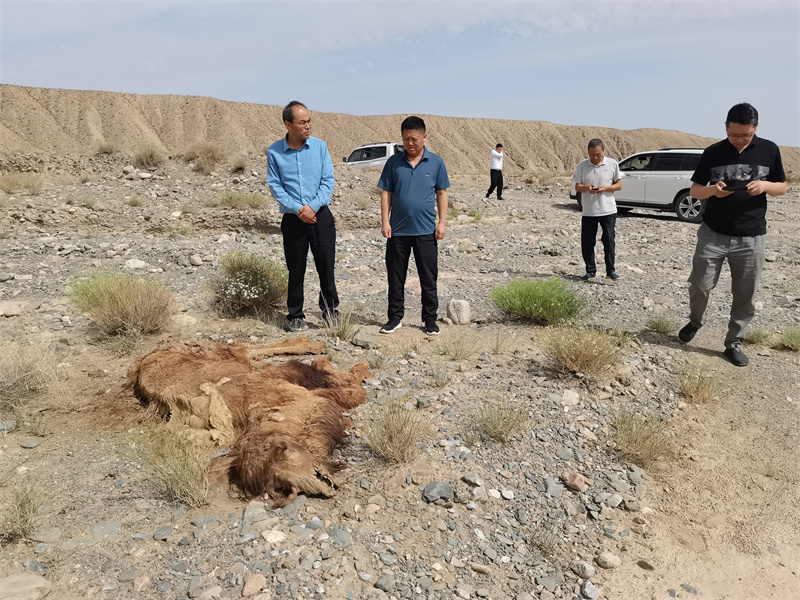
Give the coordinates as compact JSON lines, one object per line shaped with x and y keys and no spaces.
{"x":486,"y":520}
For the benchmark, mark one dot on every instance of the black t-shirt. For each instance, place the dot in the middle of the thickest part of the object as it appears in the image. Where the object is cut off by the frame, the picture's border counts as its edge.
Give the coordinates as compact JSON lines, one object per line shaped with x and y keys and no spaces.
{"x":740,"y":213}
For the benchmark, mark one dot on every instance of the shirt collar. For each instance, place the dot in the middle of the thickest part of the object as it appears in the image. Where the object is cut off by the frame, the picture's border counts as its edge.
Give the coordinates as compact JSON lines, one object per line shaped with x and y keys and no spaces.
{"x":286,"y":147}
{"x":425,"y":154}
{"x":754,"y":142}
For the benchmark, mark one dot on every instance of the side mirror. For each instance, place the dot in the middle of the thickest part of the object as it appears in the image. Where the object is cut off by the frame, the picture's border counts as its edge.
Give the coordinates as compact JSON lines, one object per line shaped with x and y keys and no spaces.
{"x":344,"y":159}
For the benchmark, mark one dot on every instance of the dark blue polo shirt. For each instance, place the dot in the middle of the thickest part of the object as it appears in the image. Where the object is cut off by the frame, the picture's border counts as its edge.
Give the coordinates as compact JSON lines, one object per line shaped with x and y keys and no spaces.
{"x":413,"y":190}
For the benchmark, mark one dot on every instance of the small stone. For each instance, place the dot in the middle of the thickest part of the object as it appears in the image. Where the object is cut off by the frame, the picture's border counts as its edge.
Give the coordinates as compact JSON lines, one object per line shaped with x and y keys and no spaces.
{"x":253,"y":584}
{"x":472,"y":480}
{"x":25,"y":586}
{"x":134,"y":263}
{"x":646,"y":565}
{"x":589,"y":590}
{"x":385,"y":583}
{"x":459,"y":312}
{"x":162,"y":533}
{"x":437,"y":490}
{"x":607,"y":560}
{"x":583,"y":569}
{"x":196,"y":260}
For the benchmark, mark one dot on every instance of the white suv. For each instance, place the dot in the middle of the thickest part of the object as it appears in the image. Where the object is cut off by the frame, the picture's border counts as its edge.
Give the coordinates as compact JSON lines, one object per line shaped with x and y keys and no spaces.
{"x":660,"y":180}
{"x":372,"y":155}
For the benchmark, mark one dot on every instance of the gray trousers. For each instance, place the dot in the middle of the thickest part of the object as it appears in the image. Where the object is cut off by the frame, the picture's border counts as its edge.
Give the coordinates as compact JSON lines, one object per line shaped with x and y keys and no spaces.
{"x":745,"y":256}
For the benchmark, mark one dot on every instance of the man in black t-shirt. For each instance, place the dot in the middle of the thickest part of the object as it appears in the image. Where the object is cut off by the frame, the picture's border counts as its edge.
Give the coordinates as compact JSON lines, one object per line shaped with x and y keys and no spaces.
{"x":734,"y":176}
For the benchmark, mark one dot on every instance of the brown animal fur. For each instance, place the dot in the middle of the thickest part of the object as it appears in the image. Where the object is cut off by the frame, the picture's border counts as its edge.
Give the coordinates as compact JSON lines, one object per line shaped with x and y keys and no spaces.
{"x":283,"y":421}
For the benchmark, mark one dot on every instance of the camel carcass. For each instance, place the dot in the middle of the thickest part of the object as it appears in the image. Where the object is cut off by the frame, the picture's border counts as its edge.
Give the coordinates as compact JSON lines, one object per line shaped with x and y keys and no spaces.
{"x":281,"y":421}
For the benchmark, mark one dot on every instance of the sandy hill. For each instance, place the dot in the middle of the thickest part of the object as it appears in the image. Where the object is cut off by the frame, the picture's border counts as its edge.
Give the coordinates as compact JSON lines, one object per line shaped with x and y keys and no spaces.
{"x":60,"y":122}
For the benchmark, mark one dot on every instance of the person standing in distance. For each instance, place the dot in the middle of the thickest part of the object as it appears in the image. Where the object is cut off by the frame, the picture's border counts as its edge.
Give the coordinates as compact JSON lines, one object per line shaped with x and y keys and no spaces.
{"x":300,"y":177}
{"x":414,"y":188}
{"x":496,"y":171}
{"x":734,"y":176}
{"x":597,"y":178}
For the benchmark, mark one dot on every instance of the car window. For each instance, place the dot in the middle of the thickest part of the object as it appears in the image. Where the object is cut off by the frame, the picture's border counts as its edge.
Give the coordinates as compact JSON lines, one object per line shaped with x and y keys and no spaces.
{"x":690,"y":162}
{"x":670,"y":161}
{"x":355,"y":155}
{"x":374,"y":152}
{"x":398,"y":148}
{"x":638,"y":162}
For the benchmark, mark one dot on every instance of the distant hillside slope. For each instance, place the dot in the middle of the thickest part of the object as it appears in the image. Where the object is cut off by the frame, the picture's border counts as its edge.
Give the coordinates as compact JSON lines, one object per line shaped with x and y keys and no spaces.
{"x":61,"y":122}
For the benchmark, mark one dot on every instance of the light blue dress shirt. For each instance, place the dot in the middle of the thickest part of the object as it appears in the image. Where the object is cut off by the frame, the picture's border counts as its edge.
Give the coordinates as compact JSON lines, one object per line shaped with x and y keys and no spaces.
{"x":300,"y":177}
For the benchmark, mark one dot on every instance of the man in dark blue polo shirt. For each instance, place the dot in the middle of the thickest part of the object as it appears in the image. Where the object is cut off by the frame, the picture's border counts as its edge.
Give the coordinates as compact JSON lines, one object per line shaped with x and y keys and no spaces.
{"x":414,"y":188}
{"x":734,"y":176}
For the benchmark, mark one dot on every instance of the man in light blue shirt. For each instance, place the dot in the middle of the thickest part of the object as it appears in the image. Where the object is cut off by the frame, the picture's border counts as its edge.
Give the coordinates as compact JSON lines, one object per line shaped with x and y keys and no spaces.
{"x":300,"y":177}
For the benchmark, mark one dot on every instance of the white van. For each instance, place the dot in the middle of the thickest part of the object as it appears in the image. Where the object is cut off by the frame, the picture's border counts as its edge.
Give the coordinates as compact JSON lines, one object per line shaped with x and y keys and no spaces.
{"x":372,"y":155}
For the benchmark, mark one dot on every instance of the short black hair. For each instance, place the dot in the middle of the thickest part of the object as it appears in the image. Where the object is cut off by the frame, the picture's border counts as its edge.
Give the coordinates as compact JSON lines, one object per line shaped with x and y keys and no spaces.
{"x":413,"y":123}
{"x":742,"y":114}
{"x":288,"y":110}
{"x":595,"y":143}
{"x":499,"y":146}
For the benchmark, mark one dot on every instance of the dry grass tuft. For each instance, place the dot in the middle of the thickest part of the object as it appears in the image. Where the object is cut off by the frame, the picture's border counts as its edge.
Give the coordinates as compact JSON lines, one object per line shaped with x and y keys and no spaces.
{"x":441,"y":372}
{"x":758,"y":336}
{"x":249,"y":284}
{"x":106,"y":148}
{"x":14,"y":182}
{"x":499,"y":423}
{"x":396,"y":432}
{"x":179,"y":461}
{"x":790,"y":339}
{"x":24,"y":373}
{"x":149,"y":157}
{"x":239,"y":200}
{"x":661,"y":323}
{"x":123,"y":304}
{"x":545,"y":541}
{"x":698,"y":387}
{"x":641,"y":440}
{"x":22,"y":502}
{"x":344,"y":328}
{"x":205,"y":156}
{"x":239,"y":165}
{"x":459,"y":347}
{"x":587,"y":351}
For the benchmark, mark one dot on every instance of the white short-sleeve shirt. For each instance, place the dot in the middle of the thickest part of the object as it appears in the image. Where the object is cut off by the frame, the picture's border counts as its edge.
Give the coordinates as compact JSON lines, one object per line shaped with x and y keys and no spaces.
{"x":606,"y":173}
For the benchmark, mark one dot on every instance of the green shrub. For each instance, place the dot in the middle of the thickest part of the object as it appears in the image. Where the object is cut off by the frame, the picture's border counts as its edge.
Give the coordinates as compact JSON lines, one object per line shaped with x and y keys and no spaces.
{"x":495,"y":422}
{"x":148,"y":157}
{"x":546,"y":302}
{"x":396,"y":432}
{"x":239,"y":200}
{"x":124,"y":304}
{"x":205,"y":157}
{"x":587,"y":351}
{"x":790,"y":339}
{"x":475,"y":214}
{"x":249,"y":284}
{"x":662,"y":324}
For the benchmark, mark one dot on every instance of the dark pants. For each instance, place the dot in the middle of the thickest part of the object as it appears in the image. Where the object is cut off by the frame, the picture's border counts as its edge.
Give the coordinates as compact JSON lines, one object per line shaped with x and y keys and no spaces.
{"x":589,"y":238}
{"x":298,"y":237}
{"x":496,"y":177}
{"x":426,"y":257}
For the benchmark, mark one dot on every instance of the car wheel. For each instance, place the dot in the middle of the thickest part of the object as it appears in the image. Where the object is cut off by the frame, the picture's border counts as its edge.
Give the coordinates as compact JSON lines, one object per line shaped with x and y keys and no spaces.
{"x":689,"y":209}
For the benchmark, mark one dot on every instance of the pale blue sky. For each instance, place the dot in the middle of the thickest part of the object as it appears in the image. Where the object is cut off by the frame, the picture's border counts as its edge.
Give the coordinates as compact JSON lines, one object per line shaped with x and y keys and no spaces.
{"x":671,"y":65}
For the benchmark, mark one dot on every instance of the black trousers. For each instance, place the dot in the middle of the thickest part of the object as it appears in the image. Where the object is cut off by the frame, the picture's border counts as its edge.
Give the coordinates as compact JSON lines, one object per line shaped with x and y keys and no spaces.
{"x":426,"y":257}
{"x":298,"y":237}
{"x":589,"y":238}
{"x":496,"y":177}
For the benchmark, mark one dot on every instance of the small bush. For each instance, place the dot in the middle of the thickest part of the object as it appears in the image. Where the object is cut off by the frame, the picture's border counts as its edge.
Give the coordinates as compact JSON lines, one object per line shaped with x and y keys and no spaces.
{"x":84,"y":178}
{"x":239,"y":200}
{"x":239,"y":165}
{"x":14,"y":182}
{"x":500,"y":340}
{"x":343,"y":328}
{"x":106,"y":148}
{"x":205,"y":157}
{"x":790,"y":339}
{"x":250,"y":284}
{"x":459,"y":348}
{"x":475,"y":214}
{"x":124,"y":304}
{"x":136,"y":201}
{"x":662,"y":324}
{"x":440,"y":372}
{"x":396,"y":432}
{"x":641,"y":440}
{"x":757,"y":335}
{"x":547,"y":302}
{"x":697,"y":387}
{"x":179,"y":462}
{"x":587,"y":351}
{"x":498,"y":423}
{"x":26,"y":372}
{"x":20,"y":513}
{"x":148,"y":157}
{"x":544,"y":540}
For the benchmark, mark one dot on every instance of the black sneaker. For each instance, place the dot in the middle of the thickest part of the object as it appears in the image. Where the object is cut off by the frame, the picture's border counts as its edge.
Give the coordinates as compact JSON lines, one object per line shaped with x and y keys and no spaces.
{"x":588,"y":276}
{"x":613,"y":275}
{"x":431,"y":328}
{"x":298,"y":324}
{"x":392,"y":326}
{"x":736,"y":356}
{"x":686,"y":334}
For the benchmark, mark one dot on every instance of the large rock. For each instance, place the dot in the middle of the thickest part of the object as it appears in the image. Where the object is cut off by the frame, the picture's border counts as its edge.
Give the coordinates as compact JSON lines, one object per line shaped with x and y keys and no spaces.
{"x":458,"y":311}
{"x":24,"y":586}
